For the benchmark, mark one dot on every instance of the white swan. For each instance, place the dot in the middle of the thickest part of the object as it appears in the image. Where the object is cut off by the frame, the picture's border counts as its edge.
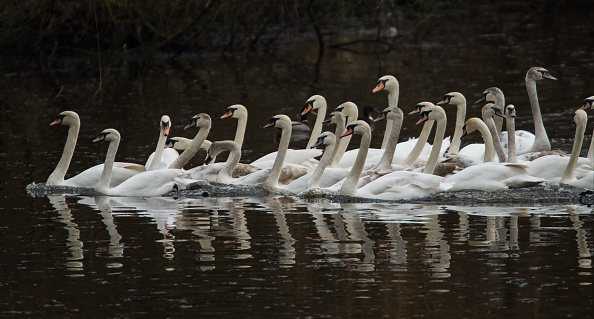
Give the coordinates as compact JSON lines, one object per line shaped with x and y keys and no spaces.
{"x":315,"y":102}
{"x":585,"y":106}
{"x":553,"y":167}
{"x":510,"y":126}
{"x":541,"y":140}
{"x":89,"y":177}
{"x":489,"y":111}
{"x":394,"y":186}
{"x":351,"y":113}
{"x":203,"y":122}
{"x":390,"y":84}
{"x":162,"y":157}
{"x":149,"y":183}
{"x":240,"y":113}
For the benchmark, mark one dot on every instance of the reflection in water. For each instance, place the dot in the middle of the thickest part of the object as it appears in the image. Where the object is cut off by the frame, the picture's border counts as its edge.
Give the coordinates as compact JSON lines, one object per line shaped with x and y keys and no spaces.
{"x":116,"y":249}
{"x":74,"y":244}
{"x":436,"y":248}
{"x":286,"y":249}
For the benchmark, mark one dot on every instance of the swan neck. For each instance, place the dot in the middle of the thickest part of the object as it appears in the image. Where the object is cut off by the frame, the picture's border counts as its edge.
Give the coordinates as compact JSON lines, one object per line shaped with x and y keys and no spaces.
{"x":569,"y":173}
{"x":340,"y":129}
{"x":317,"y":129}
{"x":488,"y":139}
{"x":314,"y":180}
{"x":591,"y":151}
{"x":456,"y":139}
{"x":510,"y":125}
{"x":393,"y":97}
{"x":350,"y":185}
{"x":240,"y":132}
{"x":437,"y":142}
{"x":192,"y":149}
{"x":158,"y":152}
{"x":386,"y":160}
{"x":541,"y":140}
{"x":495,"y":137}
{"x":420,"y":145}
{"x":57,"y":176}
{"x":227,"y":171}
{"x":105,"y":180}
{"x":275,"y":172}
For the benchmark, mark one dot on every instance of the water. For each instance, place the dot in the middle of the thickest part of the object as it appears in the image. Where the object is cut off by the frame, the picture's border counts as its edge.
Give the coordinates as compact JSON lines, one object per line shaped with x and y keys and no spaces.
{"x":510,"y":254}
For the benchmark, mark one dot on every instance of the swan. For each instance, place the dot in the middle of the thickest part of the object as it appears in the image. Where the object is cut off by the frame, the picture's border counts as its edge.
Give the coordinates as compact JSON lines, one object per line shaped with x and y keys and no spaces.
{"x":390,"y":84}
{"x":457,"y":99}
{"x":541,"y":140}
{"x":315,"y":102}
{"x":89,"y":177}
{"x":494,"y":95}
{"x":587,"y":103}
{"x":554,"y":167}
{"x":394,"y":186}
{"x":162,"y":157}
{"x":339,"y":119}
{"x":489,"y":176}
{"x":585,"y":106}
{"x":351,"y":113}
{"x":149,"y":183}
{"x":203,"y":122}
{"x":225,"y":173}
{"x":580,"y":119}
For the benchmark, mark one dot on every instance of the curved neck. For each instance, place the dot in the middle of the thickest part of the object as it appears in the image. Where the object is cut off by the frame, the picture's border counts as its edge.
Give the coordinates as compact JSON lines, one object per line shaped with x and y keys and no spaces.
{"x":103,"y":183}
{"x":420,"y":145}
{"x":158,"y":152}
{"x":488,"y":139}
{"x":314,"y":180}
{"x":500,"y":103}
{"x":240,"y":132}
{"x":344,"y":141}
{"x":541,"y":140}
{"x":591,"y":151}
{"x":495,"y":137}
{"x":510,"y":125}
{"x":227,"y":171}
{"x":460,"y":118}
{"x":437,"y":141}
{"x":317,"y":129}
{"x":275,"y":172}
{"x":392,"y":102}
{"x":569,"y":173}
{"x":350,"y":184}
{"x":192,"y":149}
{"x":386,"y":160}
{"x":57,"y":176}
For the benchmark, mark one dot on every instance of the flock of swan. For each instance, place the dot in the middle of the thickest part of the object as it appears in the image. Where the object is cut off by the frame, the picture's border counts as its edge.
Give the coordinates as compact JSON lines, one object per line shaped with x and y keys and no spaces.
{"x":396,"y":171}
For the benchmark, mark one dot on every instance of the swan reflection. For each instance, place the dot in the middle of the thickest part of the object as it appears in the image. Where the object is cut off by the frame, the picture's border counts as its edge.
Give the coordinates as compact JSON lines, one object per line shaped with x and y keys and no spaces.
{"x":74,"y":244}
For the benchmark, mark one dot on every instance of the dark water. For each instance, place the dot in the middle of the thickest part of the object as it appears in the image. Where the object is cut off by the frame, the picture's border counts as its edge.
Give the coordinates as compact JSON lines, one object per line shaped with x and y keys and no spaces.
{"x":281,"y":256}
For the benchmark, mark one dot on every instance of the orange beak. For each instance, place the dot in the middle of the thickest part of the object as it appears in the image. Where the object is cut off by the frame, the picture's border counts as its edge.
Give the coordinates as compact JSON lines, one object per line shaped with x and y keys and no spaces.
{"x":166,"y":130}
{"x":348,"y":132}
{"x":227,"y":114}
{"x":307,"y":109}
{"x":380,"y":86}
{"x":56,"y":122}
{"x":424,"y":118}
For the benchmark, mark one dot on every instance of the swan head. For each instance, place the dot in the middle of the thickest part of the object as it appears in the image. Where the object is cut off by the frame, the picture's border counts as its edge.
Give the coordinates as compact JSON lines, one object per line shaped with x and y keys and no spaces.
{"x":387,"y":113}
{"x":580,"y":117}
{"x":337,"y":118}
{"x":536,"y":73}
{"x":280,"y":121}
{"x":490,"y":110}
{"x":587,"y":103}
{"x":181,"y":143}
{"x":431,"y":112}
{"x":349,"y":109}
{"x":314,"y":102}
{"x":510,"y":110}
{"x":454,"y":98}
{"x":491,"y":94}
{"x":235,"y":111}
{"x":165,"y":125}
{"x":357,"y":127}
{"x":218,"y":147}
{"x":66,"y":118}
{"x":199,"y":120}
{"x":471,"y":125}
{"x":109,"y":135}
{"x":326,"y":138}
{"x":386,"y":82}
{"x":420,"y":107}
